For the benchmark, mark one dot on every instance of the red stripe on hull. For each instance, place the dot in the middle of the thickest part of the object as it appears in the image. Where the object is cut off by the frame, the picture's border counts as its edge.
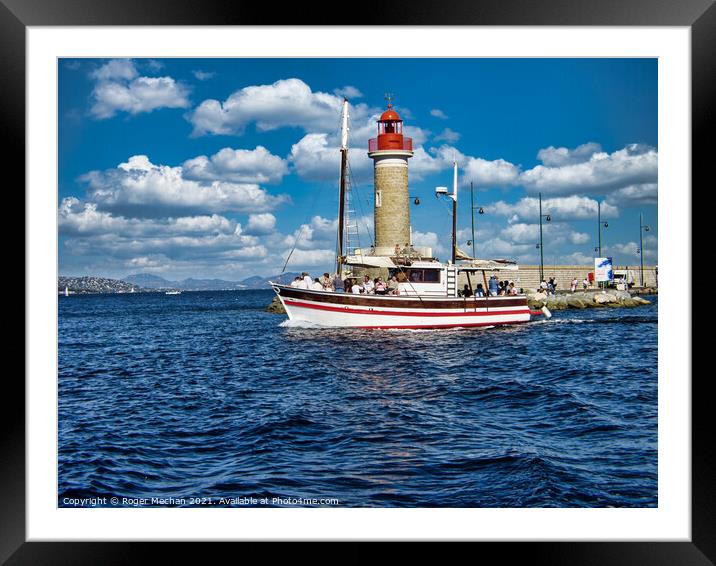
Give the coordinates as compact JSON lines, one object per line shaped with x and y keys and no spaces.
{"x":400,"y":313}
{"x":433,"y":326}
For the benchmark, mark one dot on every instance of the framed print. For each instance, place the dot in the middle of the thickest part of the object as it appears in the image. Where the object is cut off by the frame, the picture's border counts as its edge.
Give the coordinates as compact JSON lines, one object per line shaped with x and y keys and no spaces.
{"x":326,"y":282}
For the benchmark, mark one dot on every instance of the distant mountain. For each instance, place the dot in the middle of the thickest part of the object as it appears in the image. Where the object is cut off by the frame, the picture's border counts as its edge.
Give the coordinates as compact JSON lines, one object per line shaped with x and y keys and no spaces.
{"x":151,"y":281}
{"x":258,"y":282}
{"x":91,"y":285}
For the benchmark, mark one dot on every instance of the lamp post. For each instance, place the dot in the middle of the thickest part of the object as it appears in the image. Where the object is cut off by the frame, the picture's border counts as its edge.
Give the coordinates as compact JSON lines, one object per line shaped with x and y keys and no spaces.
{"x":642,"y":228}
{"x":548,"y":218}
{"x":598,"y":249}
{"x":480,"y":210}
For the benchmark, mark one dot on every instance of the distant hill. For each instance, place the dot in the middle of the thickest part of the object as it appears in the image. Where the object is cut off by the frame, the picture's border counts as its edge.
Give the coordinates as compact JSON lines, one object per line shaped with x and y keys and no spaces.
{"x":91,"y":285}
{"x":259,"y":282}
{"x":151,"y":281}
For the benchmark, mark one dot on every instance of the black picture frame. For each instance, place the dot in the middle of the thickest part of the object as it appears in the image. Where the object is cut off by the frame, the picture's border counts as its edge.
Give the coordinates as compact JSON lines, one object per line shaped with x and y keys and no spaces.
{"x":699,"y":15}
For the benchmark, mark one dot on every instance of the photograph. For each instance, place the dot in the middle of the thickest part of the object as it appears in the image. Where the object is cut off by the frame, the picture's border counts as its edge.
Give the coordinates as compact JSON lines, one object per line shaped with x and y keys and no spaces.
{"x":358,"y":282}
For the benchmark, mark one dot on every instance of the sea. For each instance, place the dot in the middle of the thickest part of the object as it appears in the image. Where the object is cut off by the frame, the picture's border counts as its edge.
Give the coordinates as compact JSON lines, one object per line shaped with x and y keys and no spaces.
{"x":206,"y":399}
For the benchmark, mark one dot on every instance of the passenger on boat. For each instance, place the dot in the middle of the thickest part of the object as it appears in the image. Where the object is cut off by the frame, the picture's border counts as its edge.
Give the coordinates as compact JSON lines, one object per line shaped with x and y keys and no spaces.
{"x":493,"y":286}
{"x":467,"y":292}
{"x":317,"y":285}
{"x":511,"y":289}
{"x":308,"y":279}
{"x":355,"y":288}
{"x":368,"y":285}
{"x":393,"y":286}
{"x":326,"y":282}
{"x":296,"y":281}
{"x":380,"y":287}
{"x":338,"y":283}
{"x":479,"y":291}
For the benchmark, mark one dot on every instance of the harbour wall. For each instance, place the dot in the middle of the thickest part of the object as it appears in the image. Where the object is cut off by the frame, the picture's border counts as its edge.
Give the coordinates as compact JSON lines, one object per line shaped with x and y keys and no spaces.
{"x":527,"y":277}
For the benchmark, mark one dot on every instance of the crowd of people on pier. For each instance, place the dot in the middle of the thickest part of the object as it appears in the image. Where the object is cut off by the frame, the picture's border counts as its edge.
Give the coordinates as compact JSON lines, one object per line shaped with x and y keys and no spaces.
{"x":355,"y":285}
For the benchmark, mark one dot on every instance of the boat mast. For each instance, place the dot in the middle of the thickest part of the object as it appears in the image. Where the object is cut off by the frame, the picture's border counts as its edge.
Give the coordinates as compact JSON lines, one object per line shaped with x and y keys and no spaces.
{"x":342,"y":190}
{"x":454,"y":211}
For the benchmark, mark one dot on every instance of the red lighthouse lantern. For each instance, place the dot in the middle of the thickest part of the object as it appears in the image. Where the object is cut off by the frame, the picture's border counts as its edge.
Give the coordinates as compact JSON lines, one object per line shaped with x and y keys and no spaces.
{"x":390,"y":133}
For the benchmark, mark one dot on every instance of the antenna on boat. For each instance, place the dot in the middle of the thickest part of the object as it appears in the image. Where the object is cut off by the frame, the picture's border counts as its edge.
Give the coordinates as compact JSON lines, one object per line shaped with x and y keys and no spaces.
{"x":342,"y":188}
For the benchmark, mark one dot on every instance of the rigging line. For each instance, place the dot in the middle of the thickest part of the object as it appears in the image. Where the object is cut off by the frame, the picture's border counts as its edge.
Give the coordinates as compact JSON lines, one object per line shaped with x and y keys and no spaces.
{"x":303,"y":226}
{"x":356,"y":188}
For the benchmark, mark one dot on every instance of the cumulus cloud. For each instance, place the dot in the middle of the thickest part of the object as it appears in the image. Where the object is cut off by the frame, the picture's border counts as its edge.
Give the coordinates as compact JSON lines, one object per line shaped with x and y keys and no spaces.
{"x":448,"y":136}
{"x":635,"y":195}
{"x":636,"y":164}
{"x":561,"y":156}
{"x":141,"y":188}
{"x":285,"y":103}
{"x":202,"y":75}
{"x":348,"y":92}
{"x":261,"y":223}
{"x":238,"y":165}
{"x":572,"y":207}
{"x":437,"y":113}
{"x":118,"y":88}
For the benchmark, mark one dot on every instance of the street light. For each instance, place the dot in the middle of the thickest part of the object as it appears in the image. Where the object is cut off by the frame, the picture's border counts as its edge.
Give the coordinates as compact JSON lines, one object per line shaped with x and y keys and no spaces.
{"x":642,"y":228}
{"x":548,"y":218}
{"x":598,"y":249}
{"x":480,"y":210}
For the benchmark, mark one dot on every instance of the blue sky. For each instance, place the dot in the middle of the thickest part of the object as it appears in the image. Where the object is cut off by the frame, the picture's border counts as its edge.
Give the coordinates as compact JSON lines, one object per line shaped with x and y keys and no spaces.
{"x":215,"y":167}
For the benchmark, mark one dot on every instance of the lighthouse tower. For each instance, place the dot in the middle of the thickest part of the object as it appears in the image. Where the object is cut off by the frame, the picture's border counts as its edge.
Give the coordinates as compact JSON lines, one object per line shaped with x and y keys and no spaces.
{"x":390,"y":152}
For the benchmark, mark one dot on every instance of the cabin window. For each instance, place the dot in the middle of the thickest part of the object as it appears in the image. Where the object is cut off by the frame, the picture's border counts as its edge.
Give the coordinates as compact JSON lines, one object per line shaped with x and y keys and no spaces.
{"x":416,"y":275}
{"x":378,"y":198}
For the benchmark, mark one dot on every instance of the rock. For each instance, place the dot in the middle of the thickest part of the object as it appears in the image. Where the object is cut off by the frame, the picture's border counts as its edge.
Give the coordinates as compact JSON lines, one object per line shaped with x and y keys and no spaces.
{"x":641,"y":301}
{"x":576,"y":302}
{"x":276,"y":307}
{"x":557,"y":302}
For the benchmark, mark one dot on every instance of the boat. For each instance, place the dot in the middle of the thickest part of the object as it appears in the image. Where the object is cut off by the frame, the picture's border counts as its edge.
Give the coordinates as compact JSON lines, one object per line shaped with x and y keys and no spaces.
{"x":173,"y":292}
{"x":428,"y":294}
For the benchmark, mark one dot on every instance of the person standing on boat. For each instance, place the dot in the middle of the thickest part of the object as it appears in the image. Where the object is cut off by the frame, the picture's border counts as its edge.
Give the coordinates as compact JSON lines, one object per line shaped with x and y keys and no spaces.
{"x":493,"y":286}
{"x":308,"y":280}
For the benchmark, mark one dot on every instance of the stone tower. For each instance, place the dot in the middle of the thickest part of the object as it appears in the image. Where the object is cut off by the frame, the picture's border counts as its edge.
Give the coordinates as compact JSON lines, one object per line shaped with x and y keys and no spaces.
{"x":390,"y":152}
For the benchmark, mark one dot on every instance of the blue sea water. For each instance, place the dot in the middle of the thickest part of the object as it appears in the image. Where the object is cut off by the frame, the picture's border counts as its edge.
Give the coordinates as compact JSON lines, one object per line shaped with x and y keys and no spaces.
{"x":206,"y":395}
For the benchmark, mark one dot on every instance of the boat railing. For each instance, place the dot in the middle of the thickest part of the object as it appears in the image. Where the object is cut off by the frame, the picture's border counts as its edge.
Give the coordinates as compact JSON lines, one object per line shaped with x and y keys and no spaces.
{"x":407,"y":145}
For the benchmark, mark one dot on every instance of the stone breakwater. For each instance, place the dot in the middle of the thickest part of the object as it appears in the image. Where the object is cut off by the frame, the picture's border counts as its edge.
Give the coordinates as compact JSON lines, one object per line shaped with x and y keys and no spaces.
{"x":276,"y":307}
{"x":583,"y":300}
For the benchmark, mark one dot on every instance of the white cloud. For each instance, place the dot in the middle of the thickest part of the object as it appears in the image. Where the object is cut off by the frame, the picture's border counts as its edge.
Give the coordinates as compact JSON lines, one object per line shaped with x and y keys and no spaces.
{"x":140,"y":188}
{"x":261,"y":223}
{"x":285,"y":103}
{"x":437,"y":113}
{"x":203,"y":75}
{"x":561,"y":156}
{"x":239,"y":165}
{"x":573,"y":207}
{"x":348,"y":92}
{"x":118,"y":88}
{"x":635,"y":195}
{"x":448,"y":136}
{"x":603,"y":172}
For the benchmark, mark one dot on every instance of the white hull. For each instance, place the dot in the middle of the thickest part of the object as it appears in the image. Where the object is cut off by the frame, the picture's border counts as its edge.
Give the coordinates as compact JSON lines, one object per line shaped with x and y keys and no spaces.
{"x":311,"y":307}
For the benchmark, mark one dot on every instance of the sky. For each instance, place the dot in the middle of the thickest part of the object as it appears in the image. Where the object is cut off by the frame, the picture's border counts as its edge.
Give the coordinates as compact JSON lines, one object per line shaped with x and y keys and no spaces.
{"x":221,"y":167}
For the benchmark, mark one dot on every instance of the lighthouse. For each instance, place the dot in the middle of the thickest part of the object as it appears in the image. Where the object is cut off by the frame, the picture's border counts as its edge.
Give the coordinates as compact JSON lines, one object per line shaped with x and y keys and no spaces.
{"x":390,"y":152}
